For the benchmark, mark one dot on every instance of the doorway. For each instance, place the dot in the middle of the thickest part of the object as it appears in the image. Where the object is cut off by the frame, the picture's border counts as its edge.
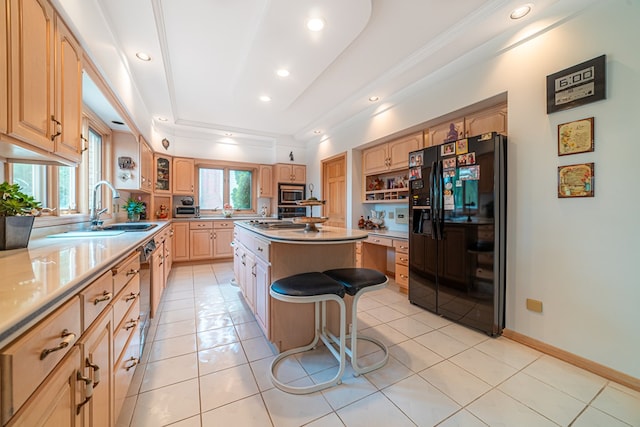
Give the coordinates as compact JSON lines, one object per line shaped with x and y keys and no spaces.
{"x":334,"y":185}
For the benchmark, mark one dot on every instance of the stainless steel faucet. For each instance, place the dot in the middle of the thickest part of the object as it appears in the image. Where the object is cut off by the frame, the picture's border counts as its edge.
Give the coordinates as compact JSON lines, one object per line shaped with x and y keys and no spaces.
{"x":95,"y":213}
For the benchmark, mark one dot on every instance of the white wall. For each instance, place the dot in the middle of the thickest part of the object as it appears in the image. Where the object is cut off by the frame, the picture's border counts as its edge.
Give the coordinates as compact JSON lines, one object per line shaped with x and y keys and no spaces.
{"x":578,"y":256}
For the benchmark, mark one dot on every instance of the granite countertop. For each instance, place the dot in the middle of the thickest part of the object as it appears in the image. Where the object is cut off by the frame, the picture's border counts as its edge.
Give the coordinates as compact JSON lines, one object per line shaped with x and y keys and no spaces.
{"x":325,"y":235}
{"x":38,"y":279}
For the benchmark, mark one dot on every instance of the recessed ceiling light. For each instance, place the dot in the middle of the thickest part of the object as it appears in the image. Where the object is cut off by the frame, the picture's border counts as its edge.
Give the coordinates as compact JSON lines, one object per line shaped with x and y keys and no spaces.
{"x":315,"y":24}
{"x":143,"y":56}
{"x":317,"y":131}
{"x":265,"y":98}
{"x":162,"y":119}
{"x":228,"y":134}
{"x":282,"y":72}
{"x":374,"y":98}
{"x":520,"y":12}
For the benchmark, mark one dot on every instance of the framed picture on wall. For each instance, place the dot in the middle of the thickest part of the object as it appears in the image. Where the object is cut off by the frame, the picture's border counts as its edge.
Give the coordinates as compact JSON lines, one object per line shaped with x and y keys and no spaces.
{"x":575,"y":180}
{"x":575,"y":137}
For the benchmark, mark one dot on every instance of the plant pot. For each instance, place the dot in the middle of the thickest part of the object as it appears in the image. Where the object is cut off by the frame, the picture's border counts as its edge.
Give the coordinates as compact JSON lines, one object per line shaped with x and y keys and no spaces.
{"x":133,"y":216}
{"x":15,"y":231}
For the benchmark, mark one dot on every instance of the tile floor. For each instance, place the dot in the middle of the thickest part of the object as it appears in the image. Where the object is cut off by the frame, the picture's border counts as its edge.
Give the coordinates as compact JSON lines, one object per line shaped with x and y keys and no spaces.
{"x":206,"y":360}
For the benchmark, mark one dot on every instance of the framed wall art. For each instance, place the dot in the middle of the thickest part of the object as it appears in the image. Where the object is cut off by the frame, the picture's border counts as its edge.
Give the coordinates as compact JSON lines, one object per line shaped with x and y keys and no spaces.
{"x":575,"y":137}
{"x":577,"y":85}
{"x":575,"y":180}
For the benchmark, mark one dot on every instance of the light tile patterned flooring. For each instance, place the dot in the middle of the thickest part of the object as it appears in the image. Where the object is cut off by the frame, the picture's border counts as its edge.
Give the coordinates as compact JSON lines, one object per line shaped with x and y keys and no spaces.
{"x":206,"y":361}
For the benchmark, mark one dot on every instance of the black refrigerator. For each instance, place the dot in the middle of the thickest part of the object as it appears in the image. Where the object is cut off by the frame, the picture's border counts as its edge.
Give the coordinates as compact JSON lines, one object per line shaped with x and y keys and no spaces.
{"x":457,"y":230}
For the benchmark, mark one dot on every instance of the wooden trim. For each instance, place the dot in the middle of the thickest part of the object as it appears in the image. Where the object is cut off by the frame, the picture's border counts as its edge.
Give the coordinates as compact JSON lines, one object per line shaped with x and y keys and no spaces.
{"x":580,"y":362}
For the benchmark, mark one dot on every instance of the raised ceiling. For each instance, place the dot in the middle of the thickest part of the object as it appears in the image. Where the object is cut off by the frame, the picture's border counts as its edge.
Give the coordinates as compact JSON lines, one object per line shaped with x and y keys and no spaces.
{"x":212,"y":59}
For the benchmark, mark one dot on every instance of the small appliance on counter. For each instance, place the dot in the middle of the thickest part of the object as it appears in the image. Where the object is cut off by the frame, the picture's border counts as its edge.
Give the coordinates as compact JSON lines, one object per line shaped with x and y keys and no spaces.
{"x":187,"y":209}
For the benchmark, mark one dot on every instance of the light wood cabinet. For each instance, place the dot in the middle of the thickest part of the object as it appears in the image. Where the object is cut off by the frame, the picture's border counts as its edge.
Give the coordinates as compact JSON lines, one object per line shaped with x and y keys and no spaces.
{"x":449,"y":131}
{"x":491,"y":119}
{"x":32,"y":53}
{"x":146,"y":166}
{"x":402,"y":264}
{"x":265,"y":181}
{"x":162,"y":174}
{"x":54,"y":404}
{"x":390,"y":156}
{"x":286,"y":173}
{"x":44,"y":70}
{"x":4,"y":65}
{"x":201,"y":241}
{"x":180,"y":241}
{"x":138,"y":176}
{"x":68,"y":94}
{"x":250,"y":279}
{"x":222,"y":238}
{"x":97,"y":361}
{"x":183,"y":176}
{"x":168,"y":254}
{"x":156,"y":264}
{"x":262,"y":297}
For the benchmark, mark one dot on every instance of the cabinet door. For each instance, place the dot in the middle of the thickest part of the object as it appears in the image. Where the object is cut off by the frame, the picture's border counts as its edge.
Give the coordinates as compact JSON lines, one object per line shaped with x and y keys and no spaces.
{"x":157,"y":278}
{"x":97,"y":362}
{"x":284,"y":173}
{"x":68,"y":95}
{"x":449,"y":131}
{"x":32,"y":56}
{"x":375,"y":160}
{"x":265,"y":177}
{"x":250,"y":279}
{"x":490,"y":120}
{"x":4,"y":64}
{"x":162,"y":174}
{"x":201,"y":244}
{"x":399,"y":150}
{"x":54,"y":403}
{"x":168,"y":255}
{"x":183,"y":176}
{"x":180,"y":241}
{"x":262,"y":298}
{"x":299,"y":174}
{"x":146,"y":166}
{"x":222,"y":243}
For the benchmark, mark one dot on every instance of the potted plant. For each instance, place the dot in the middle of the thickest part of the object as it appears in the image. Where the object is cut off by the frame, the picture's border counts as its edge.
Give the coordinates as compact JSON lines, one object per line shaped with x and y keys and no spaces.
{"x":134,"y":208}
{"x":17,"y":212}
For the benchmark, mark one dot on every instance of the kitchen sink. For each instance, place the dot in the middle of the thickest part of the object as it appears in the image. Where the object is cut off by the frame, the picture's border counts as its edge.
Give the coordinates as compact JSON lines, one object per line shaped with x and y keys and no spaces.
{"x":130,"y":226}
{"x":87,"y":233}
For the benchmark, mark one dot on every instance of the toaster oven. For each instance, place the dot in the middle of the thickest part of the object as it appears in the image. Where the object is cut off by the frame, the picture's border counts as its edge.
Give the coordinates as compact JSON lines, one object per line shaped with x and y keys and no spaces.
{"x":186,"y":212}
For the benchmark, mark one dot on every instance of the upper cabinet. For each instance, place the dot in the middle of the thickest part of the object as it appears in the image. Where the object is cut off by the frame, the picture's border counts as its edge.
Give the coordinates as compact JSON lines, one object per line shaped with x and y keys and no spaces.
{"x":391,"y":156}
{"x":492,"y":119}
{"x":162,"y":177}
{"x":134,"y":161}
{"x":4,"y":64}
{"x":265,"y":177}
{"x":183,"y":176}
{"x":296,"y":174}
{"x":43,"y":66}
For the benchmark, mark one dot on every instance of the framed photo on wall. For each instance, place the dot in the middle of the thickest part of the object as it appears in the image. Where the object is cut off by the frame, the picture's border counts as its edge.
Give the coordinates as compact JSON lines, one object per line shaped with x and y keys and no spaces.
{"x":575,"y":180}
{"x":575,"y":137}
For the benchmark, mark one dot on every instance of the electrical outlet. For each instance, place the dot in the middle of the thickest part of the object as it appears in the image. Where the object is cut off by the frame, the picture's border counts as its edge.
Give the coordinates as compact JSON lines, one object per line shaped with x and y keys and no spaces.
{"x":390,"y":215}
{"x":402,"y":216}
{"x":534,"y":305}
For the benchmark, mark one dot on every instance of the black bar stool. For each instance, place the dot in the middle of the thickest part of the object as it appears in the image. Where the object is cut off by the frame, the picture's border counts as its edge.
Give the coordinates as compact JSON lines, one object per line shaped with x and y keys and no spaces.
{"x":356,"y":282}
{"x":317,"y":288}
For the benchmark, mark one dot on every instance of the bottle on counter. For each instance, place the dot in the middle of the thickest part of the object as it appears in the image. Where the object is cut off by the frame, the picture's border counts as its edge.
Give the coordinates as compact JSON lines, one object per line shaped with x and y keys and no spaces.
{"x":361,"y":222}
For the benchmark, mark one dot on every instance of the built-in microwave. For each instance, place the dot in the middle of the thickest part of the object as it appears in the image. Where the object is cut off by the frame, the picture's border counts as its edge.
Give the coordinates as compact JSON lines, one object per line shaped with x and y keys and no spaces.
{"x":290,"y":194}
{"x":186,"y":212}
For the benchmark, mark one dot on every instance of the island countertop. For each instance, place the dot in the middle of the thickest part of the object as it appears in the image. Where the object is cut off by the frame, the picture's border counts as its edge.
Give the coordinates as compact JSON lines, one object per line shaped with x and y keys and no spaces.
{"x":43,"y":276}
{"x":325,"y":235}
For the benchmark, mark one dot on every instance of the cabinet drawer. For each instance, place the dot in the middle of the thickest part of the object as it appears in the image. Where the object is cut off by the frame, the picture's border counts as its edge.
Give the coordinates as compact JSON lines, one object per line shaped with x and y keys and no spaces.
{"x":125,"y":329}
{"x":125,"y":271}
{"x":199,"y":225}
{"x":261,"y":249}
{"x":402,"y":259}
{"x":222,"y":224}
{"x":27,"y":361}
{"x":401,"y":246}
{"x":384,"y":241}
{"x":95,"y":298}
{"x":125,"y":300}
{"x":124,"y":369}
{"x":402,"y":275}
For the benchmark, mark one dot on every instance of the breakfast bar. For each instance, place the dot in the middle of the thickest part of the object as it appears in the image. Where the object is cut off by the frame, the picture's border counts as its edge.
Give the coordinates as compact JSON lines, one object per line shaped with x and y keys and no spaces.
{"x":265,"y":251}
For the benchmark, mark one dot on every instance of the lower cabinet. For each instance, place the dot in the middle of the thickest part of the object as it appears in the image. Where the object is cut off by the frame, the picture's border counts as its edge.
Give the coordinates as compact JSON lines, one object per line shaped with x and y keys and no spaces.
{"x":180,"y":241}
{"x":262,"y":298}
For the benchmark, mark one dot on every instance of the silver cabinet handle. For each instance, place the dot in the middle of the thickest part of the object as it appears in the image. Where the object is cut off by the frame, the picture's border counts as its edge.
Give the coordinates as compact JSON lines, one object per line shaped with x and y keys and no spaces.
{"x":106,"y":296}
{"x":67,"y":338}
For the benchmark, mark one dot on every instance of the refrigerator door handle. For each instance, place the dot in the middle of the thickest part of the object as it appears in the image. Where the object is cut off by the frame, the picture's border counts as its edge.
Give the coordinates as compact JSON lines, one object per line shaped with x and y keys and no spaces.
{"x":433,"y":200}
{"x":439,"y":185}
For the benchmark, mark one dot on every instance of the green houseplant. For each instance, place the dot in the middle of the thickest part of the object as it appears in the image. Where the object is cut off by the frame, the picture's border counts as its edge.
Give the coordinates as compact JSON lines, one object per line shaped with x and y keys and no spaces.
{"x":17,"y":212}
{"x":134,"y":208}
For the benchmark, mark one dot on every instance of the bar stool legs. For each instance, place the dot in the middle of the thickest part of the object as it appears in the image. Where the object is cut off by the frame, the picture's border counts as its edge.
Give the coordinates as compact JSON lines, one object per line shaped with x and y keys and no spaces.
{"x":358,"y":281}
{"x":317,"y":288}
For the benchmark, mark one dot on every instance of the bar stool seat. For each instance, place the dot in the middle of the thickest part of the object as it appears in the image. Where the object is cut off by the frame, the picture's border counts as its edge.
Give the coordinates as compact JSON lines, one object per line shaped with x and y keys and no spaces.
{"x":317,"y":288}
{"x":356,"y":282}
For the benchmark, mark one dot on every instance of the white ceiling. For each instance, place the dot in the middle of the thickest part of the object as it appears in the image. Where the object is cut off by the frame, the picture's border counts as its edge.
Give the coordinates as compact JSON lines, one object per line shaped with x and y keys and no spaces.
{"x":212,"y":59}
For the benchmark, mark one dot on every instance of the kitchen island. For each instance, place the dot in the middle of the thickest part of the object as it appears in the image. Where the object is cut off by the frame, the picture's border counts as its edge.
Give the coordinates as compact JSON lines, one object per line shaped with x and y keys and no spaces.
{"x":265,"y":253}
